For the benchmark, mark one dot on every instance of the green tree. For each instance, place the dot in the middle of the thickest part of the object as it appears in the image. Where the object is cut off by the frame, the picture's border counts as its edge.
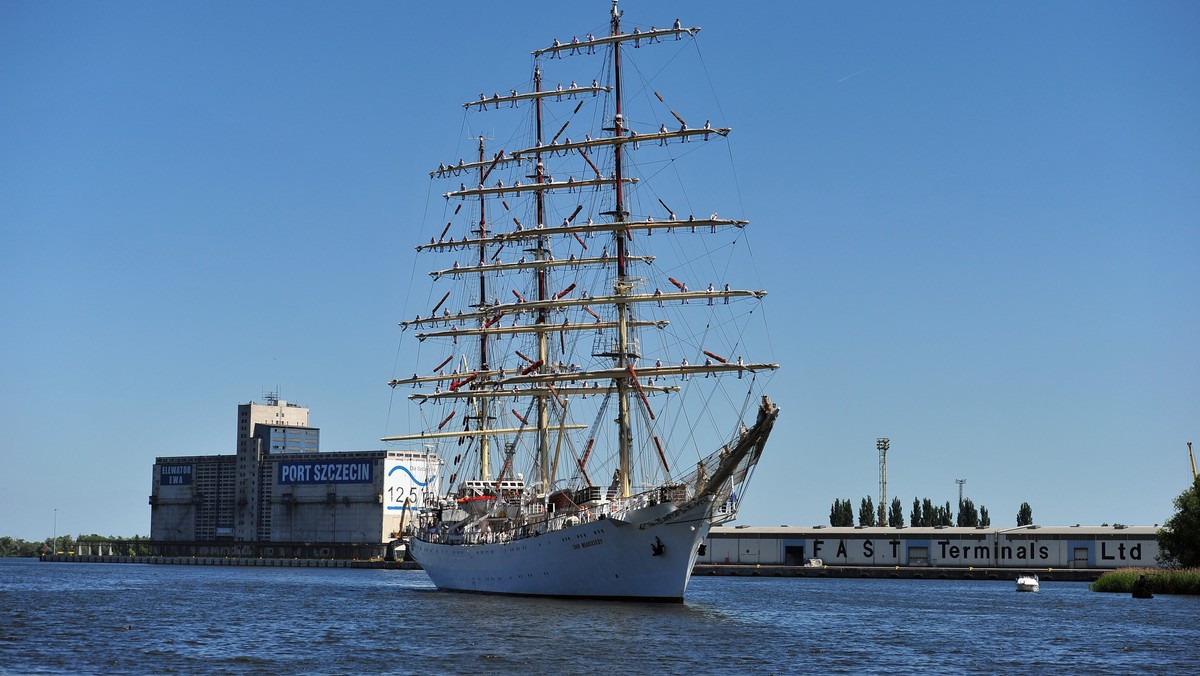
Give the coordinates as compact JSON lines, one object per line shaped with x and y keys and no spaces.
{"x":968,"y":516}
{"x":945,"y":517}
{"x":1025,"y":515}
{"x":1179,"y":538}
{"x":866,"y":512}
{"x":841,"y":514}
{"x":138,"y":546}
{"x":63,"y":542}
{"x":896,"y":514}
{"x":927,"y":512}
{"x":984,"y":519}
{"x":914,"y":518}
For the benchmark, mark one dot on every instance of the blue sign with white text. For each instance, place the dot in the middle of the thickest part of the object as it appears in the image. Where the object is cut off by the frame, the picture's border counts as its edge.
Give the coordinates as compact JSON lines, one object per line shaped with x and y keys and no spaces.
{"x":327,"y":472}
{"x":175,"y":475}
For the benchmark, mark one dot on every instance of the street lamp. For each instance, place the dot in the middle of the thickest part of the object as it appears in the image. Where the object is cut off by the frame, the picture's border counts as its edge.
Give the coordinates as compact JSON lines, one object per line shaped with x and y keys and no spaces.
{"x":54,"y":546}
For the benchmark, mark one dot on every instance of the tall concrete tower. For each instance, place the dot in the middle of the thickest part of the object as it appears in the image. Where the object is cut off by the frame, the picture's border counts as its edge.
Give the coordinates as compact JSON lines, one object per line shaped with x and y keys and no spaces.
{"x":275,"y":412}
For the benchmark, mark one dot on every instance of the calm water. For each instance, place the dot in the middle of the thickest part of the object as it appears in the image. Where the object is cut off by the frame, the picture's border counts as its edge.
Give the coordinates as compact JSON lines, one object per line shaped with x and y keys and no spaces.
{"x":110,"y":618}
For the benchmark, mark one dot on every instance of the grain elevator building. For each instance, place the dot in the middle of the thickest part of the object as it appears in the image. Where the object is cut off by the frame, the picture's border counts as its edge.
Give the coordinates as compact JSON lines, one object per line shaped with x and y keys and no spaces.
{"x":280,"y":488}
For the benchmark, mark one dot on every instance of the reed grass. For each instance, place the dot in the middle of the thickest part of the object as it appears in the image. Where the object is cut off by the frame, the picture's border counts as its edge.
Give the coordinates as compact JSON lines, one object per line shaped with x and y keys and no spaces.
{"x":1162,"y":580}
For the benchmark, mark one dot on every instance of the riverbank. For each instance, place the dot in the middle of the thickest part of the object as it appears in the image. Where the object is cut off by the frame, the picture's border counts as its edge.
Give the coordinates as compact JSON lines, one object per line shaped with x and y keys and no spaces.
{"x":1158,"y":580}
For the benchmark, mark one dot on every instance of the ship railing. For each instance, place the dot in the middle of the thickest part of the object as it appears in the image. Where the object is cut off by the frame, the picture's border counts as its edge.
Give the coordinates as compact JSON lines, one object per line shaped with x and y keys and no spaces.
{"x":542,"y":523}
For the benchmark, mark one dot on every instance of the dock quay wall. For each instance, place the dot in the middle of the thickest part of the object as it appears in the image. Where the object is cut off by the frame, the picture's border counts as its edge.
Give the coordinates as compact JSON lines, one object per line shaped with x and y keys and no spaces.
{"x":897,"y":572}
{"x":341,"y":551}
{"x":230,"y":561}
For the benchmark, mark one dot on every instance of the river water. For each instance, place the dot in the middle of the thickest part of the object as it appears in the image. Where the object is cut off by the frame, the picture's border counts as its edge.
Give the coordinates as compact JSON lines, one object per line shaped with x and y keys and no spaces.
{"x":130,"y":618}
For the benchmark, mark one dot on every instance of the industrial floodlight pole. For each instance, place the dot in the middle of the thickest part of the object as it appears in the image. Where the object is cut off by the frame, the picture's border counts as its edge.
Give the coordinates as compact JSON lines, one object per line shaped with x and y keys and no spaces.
{"x":881,"y":444}
{"x":960,"y":483}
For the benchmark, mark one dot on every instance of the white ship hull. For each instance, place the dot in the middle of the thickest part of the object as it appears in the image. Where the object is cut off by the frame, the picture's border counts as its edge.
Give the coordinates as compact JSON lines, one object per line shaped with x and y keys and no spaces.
{"x":603,"y":559}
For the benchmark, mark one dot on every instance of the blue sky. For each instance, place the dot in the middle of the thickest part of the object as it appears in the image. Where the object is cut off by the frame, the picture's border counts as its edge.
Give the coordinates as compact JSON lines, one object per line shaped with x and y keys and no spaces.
{"x":979,"y":223}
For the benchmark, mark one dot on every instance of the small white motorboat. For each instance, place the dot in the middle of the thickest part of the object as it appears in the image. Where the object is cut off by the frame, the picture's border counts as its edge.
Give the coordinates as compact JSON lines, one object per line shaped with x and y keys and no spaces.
{"x":1027,"y":582}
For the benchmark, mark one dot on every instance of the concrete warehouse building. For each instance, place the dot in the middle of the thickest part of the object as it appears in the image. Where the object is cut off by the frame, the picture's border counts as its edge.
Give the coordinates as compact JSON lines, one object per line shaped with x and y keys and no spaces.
{"x":280,"y":488}
{"x":1019,"y":547}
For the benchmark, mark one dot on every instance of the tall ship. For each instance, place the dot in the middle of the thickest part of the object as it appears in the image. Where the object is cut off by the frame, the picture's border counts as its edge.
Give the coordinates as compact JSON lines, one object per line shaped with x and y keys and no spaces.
{"x":594,"y":415}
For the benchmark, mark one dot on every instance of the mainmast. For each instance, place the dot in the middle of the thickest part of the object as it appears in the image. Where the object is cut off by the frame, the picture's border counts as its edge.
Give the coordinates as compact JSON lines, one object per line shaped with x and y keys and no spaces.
{"x":621,"y":285}
{"x":482,"y":407}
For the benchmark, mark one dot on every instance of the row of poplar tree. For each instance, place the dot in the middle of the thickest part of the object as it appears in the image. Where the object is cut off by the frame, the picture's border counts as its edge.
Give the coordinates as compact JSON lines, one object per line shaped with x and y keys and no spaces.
{"x":924,"y":513}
